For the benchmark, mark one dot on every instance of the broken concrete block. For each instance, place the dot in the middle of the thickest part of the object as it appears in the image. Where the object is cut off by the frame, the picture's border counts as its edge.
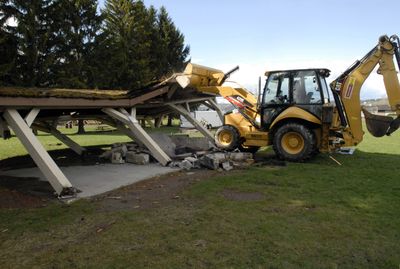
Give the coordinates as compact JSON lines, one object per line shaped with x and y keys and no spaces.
{"x":124,"y":150}
{"x":218,"y":156}
{"x":194,"y":161}
{"x":227,"y":166}
{"x":213,"y":160}
{"x":185,"y":164}
{"x":117,"y":158}
{"x":174,"y":164}
{"x":137,"y":158}
{"x":133,"y":147}
{"x":121,"y":149}
{"x":106,"y":155}
{"x":240,"y":156}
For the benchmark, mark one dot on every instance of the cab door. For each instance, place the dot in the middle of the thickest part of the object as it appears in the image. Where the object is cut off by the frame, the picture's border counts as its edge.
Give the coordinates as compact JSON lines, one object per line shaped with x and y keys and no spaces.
{"x":306,"y":91}
{"x":276,"y":97}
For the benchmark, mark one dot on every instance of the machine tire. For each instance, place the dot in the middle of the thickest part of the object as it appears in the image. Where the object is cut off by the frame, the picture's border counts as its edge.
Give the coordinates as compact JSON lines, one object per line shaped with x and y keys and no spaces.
{"x":227,"y":137}
{"x":251,"y":149}
{"x":294,"y":142}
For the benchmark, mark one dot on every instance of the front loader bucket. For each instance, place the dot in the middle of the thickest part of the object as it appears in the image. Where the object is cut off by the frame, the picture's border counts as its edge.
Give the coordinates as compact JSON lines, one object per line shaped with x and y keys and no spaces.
{"x":379,"y":125}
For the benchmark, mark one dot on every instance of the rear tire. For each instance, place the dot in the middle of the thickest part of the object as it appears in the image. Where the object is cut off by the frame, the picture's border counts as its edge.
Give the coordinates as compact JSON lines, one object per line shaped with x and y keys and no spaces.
{"x":294,"y":142}
{"x":227,"y":138}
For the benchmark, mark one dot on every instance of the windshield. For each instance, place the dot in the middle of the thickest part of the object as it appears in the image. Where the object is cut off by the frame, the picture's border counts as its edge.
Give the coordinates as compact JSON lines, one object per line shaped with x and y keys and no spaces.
{"x":276,"y":89}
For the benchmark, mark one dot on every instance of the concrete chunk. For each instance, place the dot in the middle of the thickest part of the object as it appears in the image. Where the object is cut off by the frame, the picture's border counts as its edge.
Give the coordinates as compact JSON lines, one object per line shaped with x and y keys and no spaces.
{"x":227,"y":166}
{"x":240,"y":156}
{"x":116,"y":158}
{"x":194,"y":161}
{"x":137,"y":158}
{"x":185,"y":164}
{"x":213,"y":160}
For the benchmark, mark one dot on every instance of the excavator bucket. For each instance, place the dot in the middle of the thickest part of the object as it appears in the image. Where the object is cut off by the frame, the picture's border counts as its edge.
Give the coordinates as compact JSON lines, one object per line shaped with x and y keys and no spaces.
{"x":379,"y":125}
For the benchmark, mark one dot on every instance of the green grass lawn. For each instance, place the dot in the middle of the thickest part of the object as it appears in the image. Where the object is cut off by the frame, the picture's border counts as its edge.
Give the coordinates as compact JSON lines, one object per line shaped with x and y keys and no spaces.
{"x":313,"y":215}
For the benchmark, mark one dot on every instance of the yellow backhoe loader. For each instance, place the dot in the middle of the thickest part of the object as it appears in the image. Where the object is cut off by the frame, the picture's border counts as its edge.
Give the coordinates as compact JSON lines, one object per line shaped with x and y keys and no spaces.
{"x":297,"y":113}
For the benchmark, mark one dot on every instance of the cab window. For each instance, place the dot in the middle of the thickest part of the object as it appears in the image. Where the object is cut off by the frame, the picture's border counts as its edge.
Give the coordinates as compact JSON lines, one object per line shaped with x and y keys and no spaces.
{"x":277,"y":89}
{"x":306,"y":88}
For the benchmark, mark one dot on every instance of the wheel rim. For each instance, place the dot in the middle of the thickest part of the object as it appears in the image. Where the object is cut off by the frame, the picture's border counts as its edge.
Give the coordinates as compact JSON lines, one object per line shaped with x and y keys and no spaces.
{"x":292,"y":143}
{"x":225,"y":138}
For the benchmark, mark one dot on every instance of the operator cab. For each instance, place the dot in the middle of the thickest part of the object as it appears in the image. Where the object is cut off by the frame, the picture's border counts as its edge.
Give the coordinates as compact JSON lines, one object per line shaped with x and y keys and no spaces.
{"x":304,"y":88}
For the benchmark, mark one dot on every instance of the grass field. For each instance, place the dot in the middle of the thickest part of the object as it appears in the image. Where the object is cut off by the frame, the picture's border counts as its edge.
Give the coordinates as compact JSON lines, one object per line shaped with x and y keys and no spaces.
{"x":310,"y":215}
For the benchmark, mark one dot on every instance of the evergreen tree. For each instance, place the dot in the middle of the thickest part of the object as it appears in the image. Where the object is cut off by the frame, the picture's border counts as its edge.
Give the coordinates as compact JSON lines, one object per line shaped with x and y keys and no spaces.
{"x":173,"y":49}
{"x":78,"y":24}
{"x":68,"y":44}
{"x":141,"y":44}
{"x":33,"y":36}
{"x":8,"y":44}
{"x":117,"y":43}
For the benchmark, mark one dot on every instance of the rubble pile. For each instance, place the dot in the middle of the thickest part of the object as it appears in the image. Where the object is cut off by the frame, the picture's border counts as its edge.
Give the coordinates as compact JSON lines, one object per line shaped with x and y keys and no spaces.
{"x":187,"y":153}
{"x":126,"y":153}
{"x":217,"y":161}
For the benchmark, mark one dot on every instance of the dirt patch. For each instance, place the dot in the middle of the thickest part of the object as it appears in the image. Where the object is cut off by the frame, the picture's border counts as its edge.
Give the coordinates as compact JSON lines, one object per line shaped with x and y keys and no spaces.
{"x":24,"y":192}
{"x":152,"y":193}
{"x":234,"y":195}
{"x":13,"y":199}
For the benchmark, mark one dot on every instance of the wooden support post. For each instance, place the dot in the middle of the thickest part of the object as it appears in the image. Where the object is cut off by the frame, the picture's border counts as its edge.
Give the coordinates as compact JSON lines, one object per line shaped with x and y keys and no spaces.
{"x":60,"y":136}
{"x":30,"y":118}
{"x":41,"y":157}
{"x":139,"y":134}
{"x":158,"y":121}
{"x":133,"y":112}
{"x":202,"y":129}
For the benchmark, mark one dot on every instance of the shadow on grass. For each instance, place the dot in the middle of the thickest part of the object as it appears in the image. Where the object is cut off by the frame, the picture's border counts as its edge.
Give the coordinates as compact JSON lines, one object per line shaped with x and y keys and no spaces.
{"x":63,"y":157}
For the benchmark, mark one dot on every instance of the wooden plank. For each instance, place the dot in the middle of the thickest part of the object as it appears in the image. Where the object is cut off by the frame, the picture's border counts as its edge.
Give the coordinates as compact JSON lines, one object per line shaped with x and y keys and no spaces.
{"x":60,"y":136}
{"x":53,"y":102}
{"x":148,"y":96}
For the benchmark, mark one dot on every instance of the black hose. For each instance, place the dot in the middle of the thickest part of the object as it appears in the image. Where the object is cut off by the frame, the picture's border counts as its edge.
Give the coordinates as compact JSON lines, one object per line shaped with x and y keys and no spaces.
{"x":396,"y":43}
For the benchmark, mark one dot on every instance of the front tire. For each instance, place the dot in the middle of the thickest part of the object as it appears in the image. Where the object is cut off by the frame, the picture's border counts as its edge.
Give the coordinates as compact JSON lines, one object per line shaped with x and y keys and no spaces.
{"x":294,"y":142}
{"x":227,"y":138}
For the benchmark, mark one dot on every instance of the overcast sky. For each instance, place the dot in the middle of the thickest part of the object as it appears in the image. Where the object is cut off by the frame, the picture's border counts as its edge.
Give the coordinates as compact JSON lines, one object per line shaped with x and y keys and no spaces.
{"x":262,"y":35}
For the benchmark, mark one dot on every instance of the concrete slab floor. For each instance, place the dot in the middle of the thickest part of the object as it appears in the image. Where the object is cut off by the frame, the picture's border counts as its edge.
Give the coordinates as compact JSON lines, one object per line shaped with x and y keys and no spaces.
{"x":97,"y":179}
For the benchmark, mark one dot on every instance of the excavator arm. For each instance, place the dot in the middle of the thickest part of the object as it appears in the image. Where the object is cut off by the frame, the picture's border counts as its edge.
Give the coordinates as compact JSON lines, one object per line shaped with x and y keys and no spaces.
{"x":346,"y":88}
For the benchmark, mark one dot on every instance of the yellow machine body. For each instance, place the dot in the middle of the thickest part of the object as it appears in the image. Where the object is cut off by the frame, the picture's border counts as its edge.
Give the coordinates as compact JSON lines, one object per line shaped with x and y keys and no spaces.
{"x":340,"y":123}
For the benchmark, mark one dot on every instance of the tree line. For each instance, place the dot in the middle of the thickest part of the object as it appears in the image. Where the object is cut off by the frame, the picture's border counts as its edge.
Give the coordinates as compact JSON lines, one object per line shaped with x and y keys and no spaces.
{"x":73,"y":44}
